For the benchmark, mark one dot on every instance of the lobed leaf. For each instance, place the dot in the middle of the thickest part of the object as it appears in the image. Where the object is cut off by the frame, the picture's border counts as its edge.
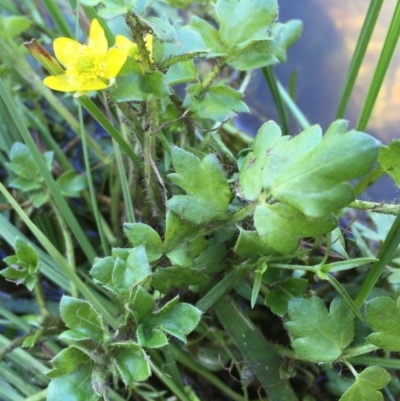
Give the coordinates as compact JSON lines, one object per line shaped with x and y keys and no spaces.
{"x":367,"y":384}
{"x":319,"y":335}
{"x":383,"y":315}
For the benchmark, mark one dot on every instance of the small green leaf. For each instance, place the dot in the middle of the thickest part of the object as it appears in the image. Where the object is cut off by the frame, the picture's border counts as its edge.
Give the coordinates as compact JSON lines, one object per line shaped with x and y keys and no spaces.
{"x":176,"y":277}
{"x":71,"y":183}
{"x":77,"y":386}
{"x":177,"y":231}
{"x":79,"y":315}
{"x":195,"y":210}
{"x":24,"y":184}
{"x":249,"y":243}
{"x":278,"y":299}
{"x":367,"y":384}
{"x":184,"y":71}
{"x":257,"y":54}
{"x":102,"y":269}
{"x":131,"y":362}
{"x":26,"y":253}
{"x":13,"y":25}
{"x":208,"y":34}
{"x":136,"y":269}
{"x":140,"y":87}
{"x":319,"y":335}
{"x":69,"y":359}
{"x":151,"y":337}
{"x":244,"y":21}
{"x":383,"y":315}
{"x":218,"y":102}
{"x":205,"y":181}
{"x":289,"y":32}
{"x":176,"y":319}
{"x":389,"y":160}
{"x":281,"y":226}
{"x":142,"y":234}
{"x":185,"y":254}
{"x":142,"y":304}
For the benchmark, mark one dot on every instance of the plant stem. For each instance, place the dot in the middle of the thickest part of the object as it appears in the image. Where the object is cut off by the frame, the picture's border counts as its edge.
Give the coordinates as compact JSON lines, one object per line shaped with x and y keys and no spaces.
{"x":360,"y":350}
{"x":381,"y":207}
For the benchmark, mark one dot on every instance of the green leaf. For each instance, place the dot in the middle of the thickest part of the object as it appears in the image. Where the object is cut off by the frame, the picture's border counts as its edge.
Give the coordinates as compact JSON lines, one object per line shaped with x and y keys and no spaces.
{"x":142,"y":234}
{"x":102,"y":269}
{"x":69,"y":359}
{"x":319,"y":335}
{"x":208,"y":34}
{"x":79,"y":315}
{"x":142,"y":304}
{"x":278,"y":299}
{"x":24,"y":184}
{"x":194,"y":210}
{"x":151,"y":337}
{"x":177,"y":319}
{"x":314,"y":183}
{"x":22,"y":162}
{"x":71,"y":184}
{"x":136,"y":269}
{"x":204,"y":180}
{"x":218,"y":102}
{"x":256,"y":54}
{"x":289,"y":32}
{"x":281,"y":226}
{"x":26,"y":254}
{"x":182,"y":72}
{"x":176,"y":277}
{"x":13,"y":25}
{"x":383,"y":315}
{"x":212,"y":259}
{"x":249,"y":243}
{"x":131,"y":362}
{"x":140,"y":87}
{"x":177,"y":231}
{"x":271,"y":155}
{"x":389,"y":160}
{"x":185,"y":254}
{"x":367,"y":384}
{"x":258,"y":275}
{"x":244,"y":21}
{"x":76,"y":386}
{"x":23,"y":266}
{"x":39,"y":199}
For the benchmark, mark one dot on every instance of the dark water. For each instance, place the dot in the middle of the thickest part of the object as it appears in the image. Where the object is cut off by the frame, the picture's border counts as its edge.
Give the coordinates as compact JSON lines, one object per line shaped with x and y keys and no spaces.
{"x":320,"y":59}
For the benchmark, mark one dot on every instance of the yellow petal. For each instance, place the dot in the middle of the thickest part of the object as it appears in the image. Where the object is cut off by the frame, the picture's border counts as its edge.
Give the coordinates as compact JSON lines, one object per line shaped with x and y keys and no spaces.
{"x":64,"y":82}
{"x":126,"y":46}
{"x":93,"y":85}
{"x":67,"y":51}
{"x":97,"y":39}
{"x":113,"y":62}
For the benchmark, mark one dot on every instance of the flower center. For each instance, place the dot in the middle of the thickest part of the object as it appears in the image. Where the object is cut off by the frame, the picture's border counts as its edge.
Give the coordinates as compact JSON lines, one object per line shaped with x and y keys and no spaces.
{"x":88,"y":67}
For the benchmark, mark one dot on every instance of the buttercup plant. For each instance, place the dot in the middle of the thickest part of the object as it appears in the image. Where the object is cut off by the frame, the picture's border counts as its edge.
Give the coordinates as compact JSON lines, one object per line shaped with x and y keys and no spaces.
{"x":88,"y":67}
{"x":231,"y":257}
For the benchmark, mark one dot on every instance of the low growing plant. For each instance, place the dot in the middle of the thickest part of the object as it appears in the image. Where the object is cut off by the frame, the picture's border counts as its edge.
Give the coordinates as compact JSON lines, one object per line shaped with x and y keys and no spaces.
{"x":233,"y":250}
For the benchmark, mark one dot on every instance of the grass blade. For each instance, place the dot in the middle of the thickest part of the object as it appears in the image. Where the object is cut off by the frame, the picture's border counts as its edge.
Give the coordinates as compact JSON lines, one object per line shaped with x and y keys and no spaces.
{"x":255,"y":349}
{"x":270,"y":79}
{"x":383,"y":64}
{"x":359,"y":53}
{"x":386,"y":252}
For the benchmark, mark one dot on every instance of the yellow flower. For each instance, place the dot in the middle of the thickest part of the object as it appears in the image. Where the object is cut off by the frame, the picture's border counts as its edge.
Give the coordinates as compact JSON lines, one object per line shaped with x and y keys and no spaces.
{"x":88,"y":67}
{"x":131,"y":49}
